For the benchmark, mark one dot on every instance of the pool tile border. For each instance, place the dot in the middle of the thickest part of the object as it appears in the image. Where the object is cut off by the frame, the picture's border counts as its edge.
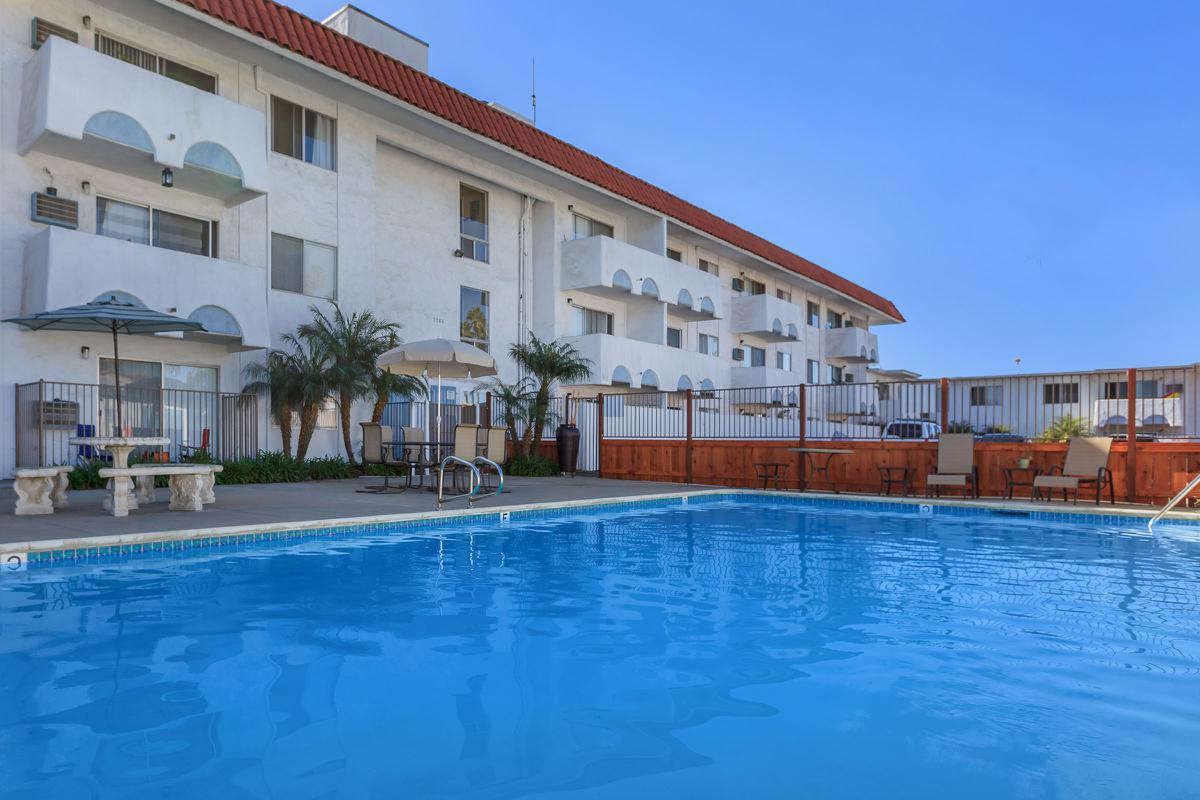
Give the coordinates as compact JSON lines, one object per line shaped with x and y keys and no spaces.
{"x":104,"y":549}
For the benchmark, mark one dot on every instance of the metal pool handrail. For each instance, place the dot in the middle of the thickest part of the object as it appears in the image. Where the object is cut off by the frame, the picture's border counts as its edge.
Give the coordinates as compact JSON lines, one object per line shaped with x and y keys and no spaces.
{"x":500,"y":472}
{"x":475,"y":481}
{"x":1176,"y":500}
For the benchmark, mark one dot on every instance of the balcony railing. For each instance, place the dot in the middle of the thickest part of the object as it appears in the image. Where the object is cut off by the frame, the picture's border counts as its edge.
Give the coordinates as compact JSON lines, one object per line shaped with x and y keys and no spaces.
{"x":603,"y":266}
{"x":855,"y":345}
{"x":50,"y":413}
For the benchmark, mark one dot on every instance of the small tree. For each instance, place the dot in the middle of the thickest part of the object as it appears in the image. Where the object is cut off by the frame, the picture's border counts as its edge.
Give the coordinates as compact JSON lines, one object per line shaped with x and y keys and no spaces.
{"x":547,"y":363}
{"x":352,"y":343}
{"x":1065,"y":428}
{"x":387,"y":385}
{"x":310,"y":367}
{"x":275,"y":379}
{"x":516,"y":400}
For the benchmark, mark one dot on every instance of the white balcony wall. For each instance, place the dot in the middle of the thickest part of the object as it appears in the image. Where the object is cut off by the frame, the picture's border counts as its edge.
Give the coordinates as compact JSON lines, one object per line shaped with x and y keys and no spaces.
{"x":766,"y":317}
{"x":66,"y":268}
{"x":852,"y":344}
{"x":70,"y":94}
{"x":615,"y":355}
{"x":746,"y":377}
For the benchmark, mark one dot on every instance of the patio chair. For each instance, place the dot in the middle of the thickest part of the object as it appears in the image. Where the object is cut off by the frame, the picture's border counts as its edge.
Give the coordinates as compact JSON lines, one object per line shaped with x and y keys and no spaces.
{"x":1086,"y":463}
{"x":466,"y":439}
{"x":955,"y":465}
{"x":495,"y":449}
{"x":376,"y":453}
{"x":189,"y":452}
{"x":89,"y":452}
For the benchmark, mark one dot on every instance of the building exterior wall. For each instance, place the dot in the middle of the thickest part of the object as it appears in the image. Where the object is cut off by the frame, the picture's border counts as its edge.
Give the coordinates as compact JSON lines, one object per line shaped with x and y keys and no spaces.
{"x":390,"y":208}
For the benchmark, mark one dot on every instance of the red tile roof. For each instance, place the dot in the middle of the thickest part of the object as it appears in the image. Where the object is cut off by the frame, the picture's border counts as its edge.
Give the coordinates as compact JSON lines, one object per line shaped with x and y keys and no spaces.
{"x":293,"y":31}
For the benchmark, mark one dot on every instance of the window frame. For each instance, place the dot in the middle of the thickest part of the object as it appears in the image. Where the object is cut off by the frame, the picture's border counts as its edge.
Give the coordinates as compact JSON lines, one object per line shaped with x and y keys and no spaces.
{"x":678,"y":254}
{"x":212,"y":240}
{"x":476,"y":243}
{"x":836,"y":374}
{"x":303,"y":266}
{"x":831,"y":317}
{"x":814,"y":314}
{"x":679,"y":337}
{"x":1060,"y":393}
{"x":485,"y":303}
{"x":812,"y":373}
{"x":576,"y":217}
{"x":159,"y":60}
{"x":716,"y":344}
{"x":304,"y":111}
{"x":582,"y":315}
{"x":780,"y":357}
{"x":985,"y":395}
{"x":708,"y":267}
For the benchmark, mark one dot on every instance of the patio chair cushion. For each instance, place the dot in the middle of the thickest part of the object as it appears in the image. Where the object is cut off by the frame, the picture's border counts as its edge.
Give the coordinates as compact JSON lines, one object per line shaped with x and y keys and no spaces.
{"x":1056,"y":482}
{"x":946,"y":480}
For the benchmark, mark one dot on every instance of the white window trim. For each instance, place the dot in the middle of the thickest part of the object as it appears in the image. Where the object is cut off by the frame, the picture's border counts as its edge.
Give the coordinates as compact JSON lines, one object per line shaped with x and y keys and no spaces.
{"x":337,"y":267}
{"x":150,"y":209}
{"x":157,"y":54}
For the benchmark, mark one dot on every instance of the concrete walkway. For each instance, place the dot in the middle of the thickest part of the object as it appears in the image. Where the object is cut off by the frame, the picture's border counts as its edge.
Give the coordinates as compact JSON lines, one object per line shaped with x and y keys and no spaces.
{"x":274,"y":503}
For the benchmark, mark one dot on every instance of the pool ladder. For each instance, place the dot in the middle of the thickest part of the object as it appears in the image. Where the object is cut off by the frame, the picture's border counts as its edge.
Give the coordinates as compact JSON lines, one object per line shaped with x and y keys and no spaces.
{"x":1176,"y":500}
{"x":475,"y":480}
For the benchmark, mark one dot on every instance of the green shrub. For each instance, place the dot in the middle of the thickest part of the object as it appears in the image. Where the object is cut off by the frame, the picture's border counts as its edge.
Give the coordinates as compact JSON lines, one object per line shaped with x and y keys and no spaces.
{"x":959,"y":427}
{"x":269,"y":466}
{"x":530,"y":467}
{"x":1064,"y":428}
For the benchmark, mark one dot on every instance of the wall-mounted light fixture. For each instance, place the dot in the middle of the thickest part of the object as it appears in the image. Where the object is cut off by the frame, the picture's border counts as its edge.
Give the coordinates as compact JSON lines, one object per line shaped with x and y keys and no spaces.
{"x":86,"y":186}
{"x":87,"y":21}
{"x":85,"y":352}
{"x":458,"y":253}
{"x":168,"y":177}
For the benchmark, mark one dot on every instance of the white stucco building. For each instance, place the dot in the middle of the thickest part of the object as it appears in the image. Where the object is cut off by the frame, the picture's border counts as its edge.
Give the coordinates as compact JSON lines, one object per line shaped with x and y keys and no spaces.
{"x":313,"y":163}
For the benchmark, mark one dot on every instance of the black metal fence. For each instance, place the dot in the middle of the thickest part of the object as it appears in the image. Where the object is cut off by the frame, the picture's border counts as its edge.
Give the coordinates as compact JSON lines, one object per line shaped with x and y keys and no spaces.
{"x":50,"y":413}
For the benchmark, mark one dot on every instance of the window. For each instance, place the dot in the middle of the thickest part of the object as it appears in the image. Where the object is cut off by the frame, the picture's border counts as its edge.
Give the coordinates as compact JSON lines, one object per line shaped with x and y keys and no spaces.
{"x":1173,"y":390}
{"x":327,"y":415}
{"x":835,"y":374}
{"x":833,"y":319}
{"x":814,"y":371}
{"x":754,"y":287}
{"x":709,"y":345}
{"x":674,"y":255}
{"x":783,"y":361}
{"x":301,"y":133}
{"x":1055,"y":393}
{"x":585,"y":227}
{"x":473,"y":223}
{"x":814,"y":314}
{"x":709,"y":267}
{"x":1119,"y":390}
{"x":473,"y":317}
{"x":146,"y":225}
{"x":155,"y":63}
{"x":783,"y":294}
{"x":589,"y":321}
{"x":303,"y":267}
{"x":675,"y":338}
{"x":758,"y":357}
{"x":986,"y":395}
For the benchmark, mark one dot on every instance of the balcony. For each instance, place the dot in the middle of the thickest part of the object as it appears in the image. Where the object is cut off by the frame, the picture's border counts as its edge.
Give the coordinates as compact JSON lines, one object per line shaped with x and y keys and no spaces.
{"x":82,"y":105}
{"x":753,"y":377}
{"x":603,"y":266}
{"x":766,"y":317}
{"x":617,"y":361}
{"x":65,"y":268}
{"x":855,"y":345}
{"x":1154,"y":415}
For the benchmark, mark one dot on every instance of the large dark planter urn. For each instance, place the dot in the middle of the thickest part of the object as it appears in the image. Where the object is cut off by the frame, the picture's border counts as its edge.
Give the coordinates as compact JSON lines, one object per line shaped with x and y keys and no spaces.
{"x":567,"y":437}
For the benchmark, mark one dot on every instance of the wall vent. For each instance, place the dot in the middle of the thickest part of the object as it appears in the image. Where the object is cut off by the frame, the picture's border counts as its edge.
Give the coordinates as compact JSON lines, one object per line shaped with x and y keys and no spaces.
{"x":43,"y":30}
{"x":54,"y":210}
{"x":739,"y":354}
{"x":738,"y":285}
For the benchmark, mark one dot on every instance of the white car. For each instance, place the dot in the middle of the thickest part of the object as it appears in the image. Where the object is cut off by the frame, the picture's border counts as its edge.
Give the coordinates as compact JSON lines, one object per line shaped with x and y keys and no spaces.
{"x":911,"y":429}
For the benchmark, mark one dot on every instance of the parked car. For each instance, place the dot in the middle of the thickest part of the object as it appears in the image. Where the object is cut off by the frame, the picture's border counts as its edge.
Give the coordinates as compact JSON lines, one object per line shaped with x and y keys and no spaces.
{"x":911,"y":429}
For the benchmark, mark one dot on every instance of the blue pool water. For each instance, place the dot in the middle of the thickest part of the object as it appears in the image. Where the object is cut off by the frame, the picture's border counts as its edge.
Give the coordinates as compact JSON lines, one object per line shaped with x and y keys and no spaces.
{"x":724,"y":649}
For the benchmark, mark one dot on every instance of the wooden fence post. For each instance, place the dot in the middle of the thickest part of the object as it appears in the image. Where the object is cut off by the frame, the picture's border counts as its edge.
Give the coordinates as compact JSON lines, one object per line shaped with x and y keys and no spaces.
{"x":1131,"y":439}
{"x":802,"y":440}
{"x":600,"y":435}
{"x":945,"y":405}
{"x":687,"y":475}
{"x":487,"y":405}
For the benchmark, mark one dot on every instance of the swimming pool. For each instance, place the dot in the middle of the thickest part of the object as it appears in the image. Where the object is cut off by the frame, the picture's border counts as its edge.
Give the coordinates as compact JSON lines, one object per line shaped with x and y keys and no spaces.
{"x":735,"y":647}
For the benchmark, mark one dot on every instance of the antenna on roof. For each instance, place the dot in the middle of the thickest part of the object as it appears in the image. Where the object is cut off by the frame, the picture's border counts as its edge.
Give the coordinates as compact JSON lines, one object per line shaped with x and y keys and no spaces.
{"x":533,"y":87}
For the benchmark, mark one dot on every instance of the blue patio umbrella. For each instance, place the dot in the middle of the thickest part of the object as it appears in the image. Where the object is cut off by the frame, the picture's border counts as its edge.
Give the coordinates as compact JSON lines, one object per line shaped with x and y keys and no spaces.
{"x":110,"y":315}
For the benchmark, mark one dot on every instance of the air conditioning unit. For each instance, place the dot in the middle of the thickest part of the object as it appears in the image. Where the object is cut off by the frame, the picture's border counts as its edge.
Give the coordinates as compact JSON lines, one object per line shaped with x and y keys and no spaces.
{"x":739,"y":354}
{"x":739,"y":285}
{"x":54,"y":210}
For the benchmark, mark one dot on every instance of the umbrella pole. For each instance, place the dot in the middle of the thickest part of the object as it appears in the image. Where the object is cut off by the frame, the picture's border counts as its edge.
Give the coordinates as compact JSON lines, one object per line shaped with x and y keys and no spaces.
{"x":438,"y":434}
{"x":117,"y":379}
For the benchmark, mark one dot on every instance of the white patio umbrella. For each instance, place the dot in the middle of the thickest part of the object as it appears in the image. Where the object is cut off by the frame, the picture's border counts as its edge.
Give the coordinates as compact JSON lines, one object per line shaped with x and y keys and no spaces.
{"x":447,"y":358}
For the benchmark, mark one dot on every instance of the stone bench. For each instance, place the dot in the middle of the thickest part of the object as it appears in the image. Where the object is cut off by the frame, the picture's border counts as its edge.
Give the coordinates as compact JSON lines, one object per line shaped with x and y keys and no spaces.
{"x":40,"y":490}
{"x":191,"y":486}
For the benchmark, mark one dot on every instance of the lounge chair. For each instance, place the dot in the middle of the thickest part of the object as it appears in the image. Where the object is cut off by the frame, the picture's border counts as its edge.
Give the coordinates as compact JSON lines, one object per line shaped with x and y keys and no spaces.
{"x":1087,"y":463}
{"x":379,"y":450}
{"x":955,"y":465}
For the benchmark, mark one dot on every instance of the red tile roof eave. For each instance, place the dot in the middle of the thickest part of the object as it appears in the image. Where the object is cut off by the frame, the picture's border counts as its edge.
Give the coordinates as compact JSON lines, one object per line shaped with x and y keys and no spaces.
{"x":291,"y":30}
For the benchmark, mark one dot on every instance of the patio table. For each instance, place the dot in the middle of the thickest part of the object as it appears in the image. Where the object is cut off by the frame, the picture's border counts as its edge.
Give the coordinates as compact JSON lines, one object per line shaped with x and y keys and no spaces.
{"x":810,"y":456}
{"x":120,"y":447}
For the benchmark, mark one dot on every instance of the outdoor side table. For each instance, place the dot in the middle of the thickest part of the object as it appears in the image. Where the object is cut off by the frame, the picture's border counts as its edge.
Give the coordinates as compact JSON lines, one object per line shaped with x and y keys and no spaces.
{"x":900,"y":477}
{"x":1013,"y":477}
{"x":772,"y":471}
{"x":811,"y":454}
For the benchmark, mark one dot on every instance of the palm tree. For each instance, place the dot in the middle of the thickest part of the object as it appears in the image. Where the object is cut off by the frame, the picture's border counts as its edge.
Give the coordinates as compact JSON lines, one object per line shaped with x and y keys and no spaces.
{"x":387,"y":385}
{"x":352,"y":343}
{"x":274,"y":379}
{"x":548,"y":363}
{"x":516,"y":399}
{"x":311,"y":378}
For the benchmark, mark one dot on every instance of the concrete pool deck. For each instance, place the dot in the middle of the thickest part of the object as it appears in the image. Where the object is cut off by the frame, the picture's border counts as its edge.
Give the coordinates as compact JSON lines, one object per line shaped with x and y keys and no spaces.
{"x":325,"y":503}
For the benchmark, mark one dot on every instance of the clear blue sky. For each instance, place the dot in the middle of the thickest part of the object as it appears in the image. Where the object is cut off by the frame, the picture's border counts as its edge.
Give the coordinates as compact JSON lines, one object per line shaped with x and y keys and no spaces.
{"x":1019,"y":177}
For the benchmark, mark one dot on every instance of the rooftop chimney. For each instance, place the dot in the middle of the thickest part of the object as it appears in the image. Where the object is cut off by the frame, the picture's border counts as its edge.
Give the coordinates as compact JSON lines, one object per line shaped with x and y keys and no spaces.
{"x":374,"y":32}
